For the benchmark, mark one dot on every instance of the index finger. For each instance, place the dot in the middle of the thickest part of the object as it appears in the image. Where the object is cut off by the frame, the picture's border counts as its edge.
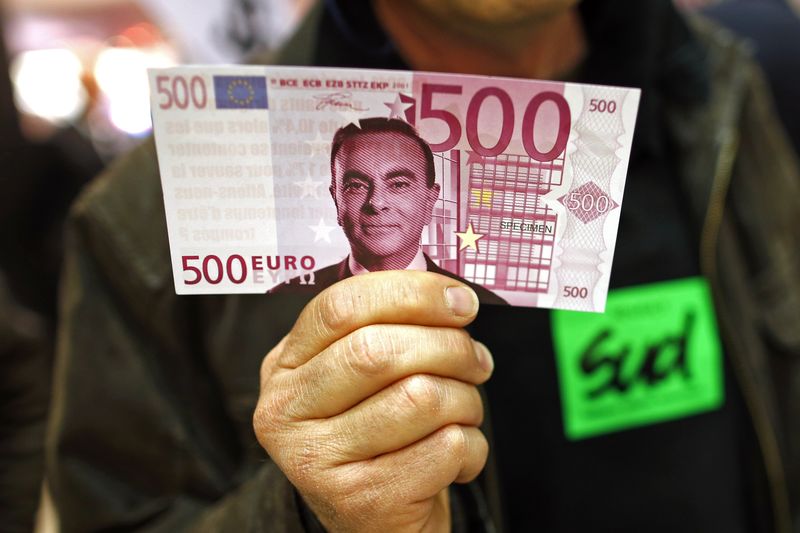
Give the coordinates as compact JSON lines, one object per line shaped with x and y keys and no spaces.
{"x":390,"y":297}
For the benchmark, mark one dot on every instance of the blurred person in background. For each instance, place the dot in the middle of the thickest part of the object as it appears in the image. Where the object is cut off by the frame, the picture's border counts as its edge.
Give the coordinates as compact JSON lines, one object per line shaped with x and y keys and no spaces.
{"x":25,"y":363}
{"x":155,"y":393}
{"x":773,"y":28}
{"x":38,"y":181}
{"x":44,"y":166}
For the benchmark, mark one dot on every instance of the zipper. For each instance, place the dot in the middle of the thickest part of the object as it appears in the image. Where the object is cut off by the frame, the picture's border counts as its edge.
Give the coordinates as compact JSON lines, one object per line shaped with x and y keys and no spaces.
{"x":765,"y":433}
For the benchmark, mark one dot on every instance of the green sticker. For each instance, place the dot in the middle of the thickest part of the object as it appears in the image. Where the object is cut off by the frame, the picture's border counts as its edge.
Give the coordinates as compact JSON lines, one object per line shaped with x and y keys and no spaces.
{"x":654,"y":355}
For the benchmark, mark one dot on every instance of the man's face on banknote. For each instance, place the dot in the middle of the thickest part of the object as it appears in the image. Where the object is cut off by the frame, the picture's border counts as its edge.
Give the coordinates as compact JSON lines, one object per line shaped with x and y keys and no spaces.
{"x":383,"y":199}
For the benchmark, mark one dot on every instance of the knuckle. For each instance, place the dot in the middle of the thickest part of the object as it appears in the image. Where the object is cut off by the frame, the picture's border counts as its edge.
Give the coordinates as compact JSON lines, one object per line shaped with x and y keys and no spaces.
{"x":359,"y":492}
{"x":422,"y":392}
{"x":355,"y":507}
{"x":337,"y":307}
{"x":263,"y":418}
{"x":304,"y":461}
{"x":281,"y":437}
{"x":455,"y":442}
{"x":271,"y":412}
{"x":276,"y":405}
{"x":261,"y":425}
{"x":371,"y":350}
{"x":307,"y":458}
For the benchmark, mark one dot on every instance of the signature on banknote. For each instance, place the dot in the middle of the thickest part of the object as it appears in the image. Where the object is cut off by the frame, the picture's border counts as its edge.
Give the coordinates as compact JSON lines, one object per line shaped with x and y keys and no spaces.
{"x":337,"y":101}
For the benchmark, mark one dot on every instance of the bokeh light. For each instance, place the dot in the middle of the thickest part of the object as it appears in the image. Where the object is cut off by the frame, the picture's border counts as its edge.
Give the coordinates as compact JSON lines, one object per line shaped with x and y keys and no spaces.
{"x":47,"y":83}
{"x":121,"y":74}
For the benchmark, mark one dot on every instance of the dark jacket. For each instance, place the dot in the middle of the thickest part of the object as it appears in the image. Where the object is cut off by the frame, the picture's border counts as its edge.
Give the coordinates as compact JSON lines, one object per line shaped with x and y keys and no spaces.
{"x":24,"y":391}
{"x":151,"y":428}
{"x":325,"y":277}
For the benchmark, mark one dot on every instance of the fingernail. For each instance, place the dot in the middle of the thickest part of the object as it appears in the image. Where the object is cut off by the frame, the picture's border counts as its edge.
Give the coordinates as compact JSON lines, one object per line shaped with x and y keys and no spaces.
{"x":463,"y":301}
{"x":485,"y":358}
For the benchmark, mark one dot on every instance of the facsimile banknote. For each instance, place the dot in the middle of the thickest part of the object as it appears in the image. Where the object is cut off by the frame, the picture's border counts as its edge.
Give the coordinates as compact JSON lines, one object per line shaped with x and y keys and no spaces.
{"x":283,"y":179}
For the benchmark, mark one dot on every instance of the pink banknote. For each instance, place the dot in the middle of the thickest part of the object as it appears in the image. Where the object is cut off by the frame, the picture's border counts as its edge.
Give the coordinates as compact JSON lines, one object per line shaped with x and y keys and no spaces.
{"x":289,"y":179}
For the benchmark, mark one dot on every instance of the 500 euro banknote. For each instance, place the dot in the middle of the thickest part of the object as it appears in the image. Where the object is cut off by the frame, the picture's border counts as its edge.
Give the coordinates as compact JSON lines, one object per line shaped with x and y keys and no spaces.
{"x":283,"y":179}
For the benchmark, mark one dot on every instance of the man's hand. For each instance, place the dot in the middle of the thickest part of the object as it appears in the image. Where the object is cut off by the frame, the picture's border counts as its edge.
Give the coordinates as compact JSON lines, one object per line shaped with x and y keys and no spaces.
{"x":369,"y":405}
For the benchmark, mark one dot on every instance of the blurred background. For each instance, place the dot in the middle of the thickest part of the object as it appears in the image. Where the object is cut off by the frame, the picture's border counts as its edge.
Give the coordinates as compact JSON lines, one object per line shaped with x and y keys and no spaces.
{"x":97,"y":52}
{"x":74,"y":94}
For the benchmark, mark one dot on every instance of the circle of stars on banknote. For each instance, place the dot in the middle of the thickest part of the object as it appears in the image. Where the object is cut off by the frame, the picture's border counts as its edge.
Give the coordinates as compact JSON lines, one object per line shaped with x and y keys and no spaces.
{"x":236,"y":86}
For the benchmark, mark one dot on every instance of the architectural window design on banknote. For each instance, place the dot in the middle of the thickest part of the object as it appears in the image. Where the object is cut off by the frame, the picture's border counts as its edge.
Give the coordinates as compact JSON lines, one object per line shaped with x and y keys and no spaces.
{"x":514,"y":227}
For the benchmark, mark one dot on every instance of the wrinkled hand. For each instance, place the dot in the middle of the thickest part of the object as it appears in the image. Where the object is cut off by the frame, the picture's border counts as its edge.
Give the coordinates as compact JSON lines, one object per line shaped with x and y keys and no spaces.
{"x":370,"y":405}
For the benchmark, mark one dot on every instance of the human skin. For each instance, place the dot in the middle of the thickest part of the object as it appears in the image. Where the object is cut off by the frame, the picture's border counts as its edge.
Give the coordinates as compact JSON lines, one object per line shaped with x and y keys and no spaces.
{"x":541,"y":39}
{"x":382,"y":198}
{"x":494,"y":13}
{"x":370,"y":406}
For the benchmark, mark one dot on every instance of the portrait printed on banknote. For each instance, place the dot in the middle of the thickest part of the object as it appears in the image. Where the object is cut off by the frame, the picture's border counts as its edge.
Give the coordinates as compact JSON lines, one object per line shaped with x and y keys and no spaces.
{"x":384,"y":189}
